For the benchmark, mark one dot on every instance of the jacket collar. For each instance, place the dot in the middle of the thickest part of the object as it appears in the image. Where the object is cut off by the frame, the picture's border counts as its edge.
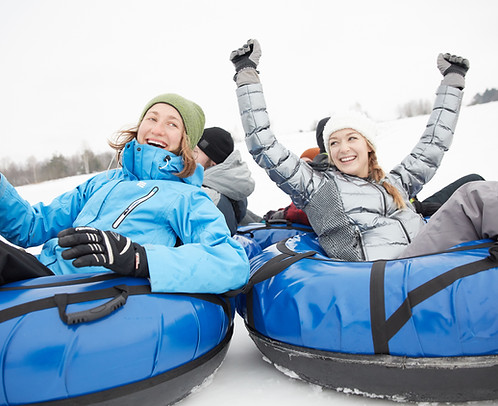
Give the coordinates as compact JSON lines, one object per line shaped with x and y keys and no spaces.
{"x":145,"y":162}
{"x":231,"y":178}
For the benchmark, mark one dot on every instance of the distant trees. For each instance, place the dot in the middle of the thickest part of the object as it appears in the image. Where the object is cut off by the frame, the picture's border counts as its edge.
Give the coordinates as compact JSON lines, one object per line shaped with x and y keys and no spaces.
{"x":489,"y":95}
{"x":58,"y":166}
{"x":420,"y":107}
{"x":415,"y":108}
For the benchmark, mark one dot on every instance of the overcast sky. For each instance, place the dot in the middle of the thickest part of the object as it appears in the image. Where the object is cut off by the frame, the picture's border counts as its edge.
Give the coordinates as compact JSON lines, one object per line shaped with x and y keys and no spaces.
{"x":74,"y":72}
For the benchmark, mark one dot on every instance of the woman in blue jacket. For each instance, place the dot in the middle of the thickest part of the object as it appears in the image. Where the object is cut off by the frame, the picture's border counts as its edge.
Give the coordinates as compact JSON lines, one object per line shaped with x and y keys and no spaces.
{"x":149,"y":218}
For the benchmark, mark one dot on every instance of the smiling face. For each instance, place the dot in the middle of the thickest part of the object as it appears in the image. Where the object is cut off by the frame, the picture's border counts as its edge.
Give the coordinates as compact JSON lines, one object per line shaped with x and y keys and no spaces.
{"x":348,"y":151}
{"x":162,"y":127}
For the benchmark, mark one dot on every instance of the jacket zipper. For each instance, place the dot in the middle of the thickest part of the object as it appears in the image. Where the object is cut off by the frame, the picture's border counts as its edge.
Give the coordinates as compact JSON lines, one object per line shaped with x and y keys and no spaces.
{"x":384,"y":202}
{"x":385,"y":213}
{"x":133,"y":206}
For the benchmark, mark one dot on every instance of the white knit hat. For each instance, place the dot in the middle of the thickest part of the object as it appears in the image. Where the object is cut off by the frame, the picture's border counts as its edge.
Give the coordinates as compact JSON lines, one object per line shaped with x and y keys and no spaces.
{"x":350,"y":119}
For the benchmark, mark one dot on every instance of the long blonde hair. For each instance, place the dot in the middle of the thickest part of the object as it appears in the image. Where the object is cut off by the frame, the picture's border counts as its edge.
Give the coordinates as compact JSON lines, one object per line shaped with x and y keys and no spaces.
{"x":189,"y":164}
{"x":377,"y":174}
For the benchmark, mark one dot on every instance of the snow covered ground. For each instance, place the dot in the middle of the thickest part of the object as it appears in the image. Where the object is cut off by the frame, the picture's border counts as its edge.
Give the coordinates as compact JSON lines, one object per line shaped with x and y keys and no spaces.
{"x":245,"y":378}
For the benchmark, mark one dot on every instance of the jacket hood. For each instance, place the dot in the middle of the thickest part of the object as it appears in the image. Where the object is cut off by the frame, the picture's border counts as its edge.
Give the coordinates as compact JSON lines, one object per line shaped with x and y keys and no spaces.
{"x":142,"y":162}
{"x":231,"y":178}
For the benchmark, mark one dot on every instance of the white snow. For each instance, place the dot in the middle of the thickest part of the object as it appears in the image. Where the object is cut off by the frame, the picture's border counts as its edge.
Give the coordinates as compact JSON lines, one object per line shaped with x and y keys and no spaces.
{"x":245,"y":378}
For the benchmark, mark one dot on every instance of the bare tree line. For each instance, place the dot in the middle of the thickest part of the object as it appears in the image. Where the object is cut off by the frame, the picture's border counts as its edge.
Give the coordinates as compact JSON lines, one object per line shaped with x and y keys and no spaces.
{"x":424,"y":106}
{"x":58,"y":166}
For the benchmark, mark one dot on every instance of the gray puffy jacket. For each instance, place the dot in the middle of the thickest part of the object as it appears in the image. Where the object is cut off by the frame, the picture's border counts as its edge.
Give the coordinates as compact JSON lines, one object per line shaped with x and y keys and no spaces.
{"x":355,"y":219}
{"x":228,"y":184}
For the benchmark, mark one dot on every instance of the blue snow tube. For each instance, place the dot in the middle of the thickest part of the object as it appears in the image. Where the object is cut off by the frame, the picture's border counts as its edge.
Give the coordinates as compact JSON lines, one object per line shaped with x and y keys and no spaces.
{"x":417,"y":329}
{"x":106,"y":339}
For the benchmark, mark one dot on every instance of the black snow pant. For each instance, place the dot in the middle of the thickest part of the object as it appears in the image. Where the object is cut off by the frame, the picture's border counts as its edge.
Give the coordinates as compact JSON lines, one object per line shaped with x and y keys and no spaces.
{"x":444,"y":194}
{"x":431,"y":205}
{"x":17,"y":264}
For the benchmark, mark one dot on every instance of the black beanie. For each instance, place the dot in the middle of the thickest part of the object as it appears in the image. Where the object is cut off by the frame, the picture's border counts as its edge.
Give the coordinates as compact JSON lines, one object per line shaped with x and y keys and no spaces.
{"x":216,"y":143}
{"x":319,"y":133}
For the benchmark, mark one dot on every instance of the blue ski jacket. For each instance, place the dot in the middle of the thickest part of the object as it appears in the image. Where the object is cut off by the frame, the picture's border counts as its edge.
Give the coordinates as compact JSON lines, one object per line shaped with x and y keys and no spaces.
{"x":145,"y":201}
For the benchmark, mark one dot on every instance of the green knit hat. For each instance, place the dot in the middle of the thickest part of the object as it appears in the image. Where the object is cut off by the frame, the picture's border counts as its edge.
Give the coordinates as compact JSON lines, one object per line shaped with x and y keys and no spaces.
{"x":192,"y":114}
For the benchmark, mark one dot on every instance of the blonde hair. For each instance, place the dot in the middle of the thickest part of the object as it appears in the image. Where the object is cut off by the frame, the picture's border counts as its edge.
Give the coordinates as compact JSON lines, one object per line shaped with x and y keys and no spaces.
{"x":377,"y":174}
{"x":125,"y":136}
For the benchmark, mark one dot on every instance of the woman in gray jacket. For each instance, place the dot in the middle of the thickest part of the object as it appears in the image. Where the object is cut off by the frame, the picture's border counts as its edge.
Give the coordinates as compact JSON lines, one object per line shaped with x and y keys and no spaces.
{"x":358,"y":211}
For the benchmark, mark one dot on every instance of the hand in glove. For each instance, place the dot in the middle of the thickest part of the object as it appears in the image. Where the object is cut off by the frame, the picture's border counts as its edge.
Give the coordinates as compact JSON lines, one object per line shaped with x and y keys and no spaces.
{"x":426,"y":209}
{"x":453,"y":68}
{"x":246,"y":60}
{"x":91,"y":247}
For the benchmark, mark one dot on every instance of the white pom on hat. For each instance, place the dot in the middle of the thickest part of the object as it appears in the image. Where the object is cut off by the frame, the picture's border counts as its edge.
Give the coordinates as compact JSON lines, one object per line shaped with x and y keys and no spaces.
{"x":350,"y":119}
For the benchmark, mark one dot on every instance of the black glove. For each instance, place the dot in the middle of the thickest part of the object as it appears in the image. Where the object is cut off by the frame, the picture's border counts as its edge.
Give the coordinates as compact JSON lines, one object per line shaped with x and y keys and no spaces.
{"x":453,"y":68}
{"x":426,"y":209}
{"x":91,"y":247}
{"x":247,"y":56}
{"x":246,"y":60}
{"x":274,"y":215}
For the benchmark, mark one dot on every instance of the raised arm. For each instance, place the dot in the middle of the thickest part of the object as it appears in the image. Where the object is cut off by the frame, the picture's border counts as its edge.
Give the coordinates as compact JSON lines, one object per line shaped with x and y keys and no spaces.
{"x":285,"y":168}
{"x":419,"y":167}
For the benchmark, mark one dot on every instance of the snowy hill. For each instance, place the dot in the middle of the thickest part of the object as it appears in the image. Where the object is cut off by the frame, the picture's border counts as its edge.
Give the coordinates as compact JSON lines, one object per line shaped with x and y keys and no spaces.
{"x":245,"y":378}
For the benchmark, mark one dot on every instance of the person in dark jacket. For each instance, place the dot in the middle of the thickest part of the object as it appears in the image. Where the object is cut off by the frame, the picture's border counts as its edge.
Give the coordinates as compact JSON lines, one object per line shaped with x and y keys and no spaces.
{"x":429,"y":206}
{"x":148,"y":218}
{"x":227,"y":178}
{"x":321,"y":160}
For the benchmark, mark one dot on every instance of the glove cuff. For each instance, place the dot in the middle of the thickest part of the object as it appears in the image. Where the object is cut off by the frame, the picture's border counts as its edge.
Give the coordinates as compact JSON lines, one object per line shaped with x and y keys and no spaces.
{"x":453,"y":68}
{"x":141,"y":268}
{"x":246,"y":76}
{"x":244,"y":63}
{"x":454,"y":79}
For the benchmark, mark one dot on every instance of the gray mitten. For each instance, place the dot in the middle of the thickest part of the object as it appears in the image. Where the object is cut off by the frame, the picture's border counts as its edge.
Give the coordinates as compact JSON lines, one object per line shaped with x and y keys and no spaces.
{"x":453,"y":68}
{"x":245,"y":61}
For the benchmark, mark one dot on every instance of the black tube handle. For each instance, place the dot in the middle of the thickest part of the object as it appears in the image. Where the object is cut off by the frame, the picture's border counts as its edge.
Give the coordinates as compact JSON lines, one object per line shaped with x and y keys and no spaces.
{"x":93,"y":314}
{"x":278,"y":221}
